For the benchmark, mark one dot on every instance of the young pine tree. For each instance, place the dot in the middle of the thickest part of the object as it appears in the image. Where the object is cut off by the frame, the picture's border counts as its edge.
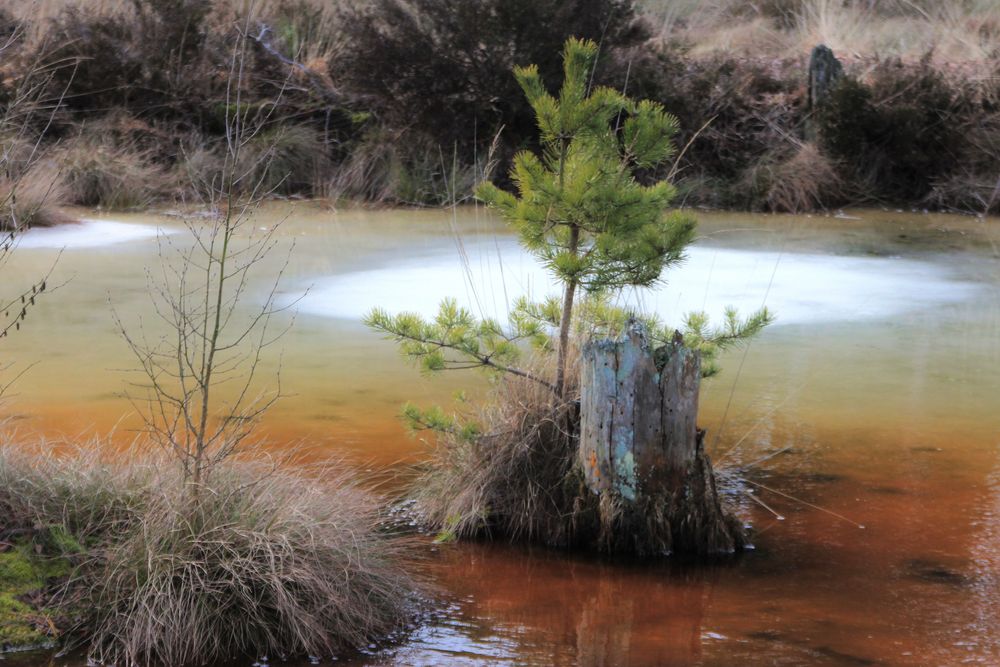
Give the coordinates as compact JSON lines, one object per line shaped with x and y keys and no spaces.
{"x":579,"y":206}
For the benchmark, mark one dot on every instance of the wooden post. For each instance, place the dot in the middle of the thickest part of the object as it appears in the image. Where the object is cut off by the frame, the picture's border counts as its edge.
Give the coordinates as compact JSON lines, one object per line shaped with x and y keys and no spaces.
{"x":640,"y":446}
{"x":824,"y":71}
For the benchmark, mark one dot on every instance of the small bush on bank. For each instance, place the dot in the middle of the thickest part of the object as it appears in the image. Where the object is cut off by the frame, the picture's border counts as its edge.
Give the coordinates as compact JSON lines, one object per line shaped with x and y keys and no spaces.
{"x":900,"y":131}
{"x":266,"y":562}
{"x":103,"y":173}
{"x":286,"y":160}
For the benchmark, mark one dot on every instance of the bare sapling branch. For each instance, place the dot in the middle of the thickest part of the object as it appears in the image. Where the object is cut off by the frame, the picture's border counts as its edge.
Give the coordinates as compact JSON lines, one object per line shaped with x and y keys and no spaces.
{"x":202,"y":359}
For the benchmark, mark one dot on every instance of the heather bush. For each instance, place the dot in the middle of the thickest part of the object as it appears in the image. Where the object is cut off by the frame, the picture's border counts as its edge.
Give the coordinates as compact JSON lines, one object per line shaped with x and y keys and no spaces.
{"x":444,"y":66}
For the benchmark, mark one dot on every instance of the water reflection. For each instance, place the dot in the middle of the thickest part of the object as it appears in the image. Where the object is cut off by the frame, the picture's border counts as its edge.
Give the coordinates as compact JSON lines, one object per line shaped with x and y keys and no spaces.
{"x":982,"y":639}
{"x":537,"y":607}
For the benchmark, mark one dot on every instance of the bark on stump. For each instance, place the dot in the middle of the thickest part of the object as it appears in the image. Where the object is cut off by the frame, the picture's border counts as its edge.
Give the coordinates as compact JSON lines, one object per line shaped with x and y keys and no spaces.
{"x":642,"y":453}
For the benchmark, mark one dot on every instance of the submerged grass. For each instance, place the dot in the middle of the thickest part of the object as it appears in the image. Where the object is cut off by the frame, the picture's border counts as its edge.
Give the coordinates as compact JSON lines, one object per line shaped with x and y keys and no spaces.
{"x":267,"y":561}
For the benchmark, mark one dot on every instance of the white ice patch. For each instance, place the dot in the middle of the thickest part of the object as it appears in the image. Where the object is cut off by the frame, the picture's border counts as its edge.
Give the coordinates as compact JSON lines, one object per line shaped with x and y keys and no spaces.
{"x":798,"y":288}
{"x":87,"y":234}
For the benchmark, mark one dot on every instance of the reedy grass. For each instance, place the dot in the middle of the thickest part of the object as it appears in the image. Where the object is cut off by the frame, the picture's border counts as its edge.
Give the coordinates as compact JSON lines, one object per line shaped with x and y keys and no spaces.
{"x":269,"y":560}
{"x":115,"y":176}
{"x":33,"y":198}
{"x":514,"y":481}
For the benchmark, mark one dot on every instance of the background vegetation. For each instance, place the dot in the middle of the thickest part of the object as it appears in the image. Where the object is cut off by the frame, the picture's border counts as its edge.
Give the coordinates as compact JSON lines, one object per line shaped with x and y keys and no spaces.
{"x":412,"y":101}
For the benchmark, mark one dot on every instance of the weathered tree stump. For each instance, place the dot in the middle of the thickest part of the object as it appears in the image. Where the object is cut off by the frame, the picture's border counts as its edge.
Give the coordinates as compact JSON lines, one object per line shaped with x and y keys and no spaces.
{"x":642,"y":453}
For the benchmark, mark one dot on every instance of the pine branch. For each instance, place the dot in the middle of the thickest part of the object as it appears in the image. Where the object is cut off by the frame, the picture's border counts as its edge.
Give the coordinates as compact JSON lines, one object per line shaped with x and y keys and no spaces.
{"x":476,"y":343}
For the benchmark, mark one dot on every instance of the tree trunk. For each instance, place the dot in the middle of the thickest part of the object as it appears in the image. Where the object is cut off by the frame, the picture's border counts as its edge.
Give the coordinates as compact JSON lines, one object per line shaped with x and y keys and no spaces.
{"x":641,"y":451}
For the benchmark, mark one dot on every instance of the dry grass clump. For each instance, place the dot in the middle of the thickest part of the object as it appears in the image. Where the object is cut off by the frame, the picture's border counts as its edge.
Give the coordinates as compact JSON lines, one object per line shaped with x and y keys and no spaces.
{"x":32,"y":199}
{"x":968,"y":192}
{"x":82,"y":495}
{"x":518,"y":479}
{"x":386,"y":166}
{"x":265,"y":562}
{"x":109,"y":175}
{"x":803,"y":181}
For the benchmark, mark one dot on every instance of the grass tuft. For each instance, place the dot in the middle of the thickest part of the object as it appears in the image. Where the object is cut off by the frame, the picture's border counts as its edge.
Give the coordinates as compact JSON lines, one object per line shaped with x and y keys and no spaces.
{"x":267,"y":561}
{"x":518,"y":479}
{"x":805,"y":180}
{"x":109,"y":175}
{"x":32,"y":199}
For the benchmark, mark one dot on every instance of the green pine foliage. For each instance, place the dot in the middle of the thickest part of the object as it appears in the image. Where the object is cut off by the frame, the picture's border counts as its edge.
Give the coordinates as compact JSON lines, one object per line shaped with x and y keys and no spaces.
{"x":710,"y":341}
{"x":456,"y":340}
{"x":579,"y":207}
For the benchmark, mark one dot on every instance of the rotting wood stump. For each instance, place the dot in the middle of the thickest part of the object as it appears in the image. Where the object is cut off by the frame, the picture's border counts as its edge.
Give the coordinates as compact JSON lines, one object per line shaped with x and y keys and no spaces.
{"x":642,"y":453}
{"x":824,"y":72}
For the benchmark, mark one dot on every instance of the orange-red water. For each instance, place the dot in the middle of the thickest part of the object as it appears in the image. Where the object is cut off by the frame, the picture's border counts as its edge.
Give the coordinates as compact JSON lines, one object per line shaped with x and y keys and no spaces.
{"x":877,"y":399}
